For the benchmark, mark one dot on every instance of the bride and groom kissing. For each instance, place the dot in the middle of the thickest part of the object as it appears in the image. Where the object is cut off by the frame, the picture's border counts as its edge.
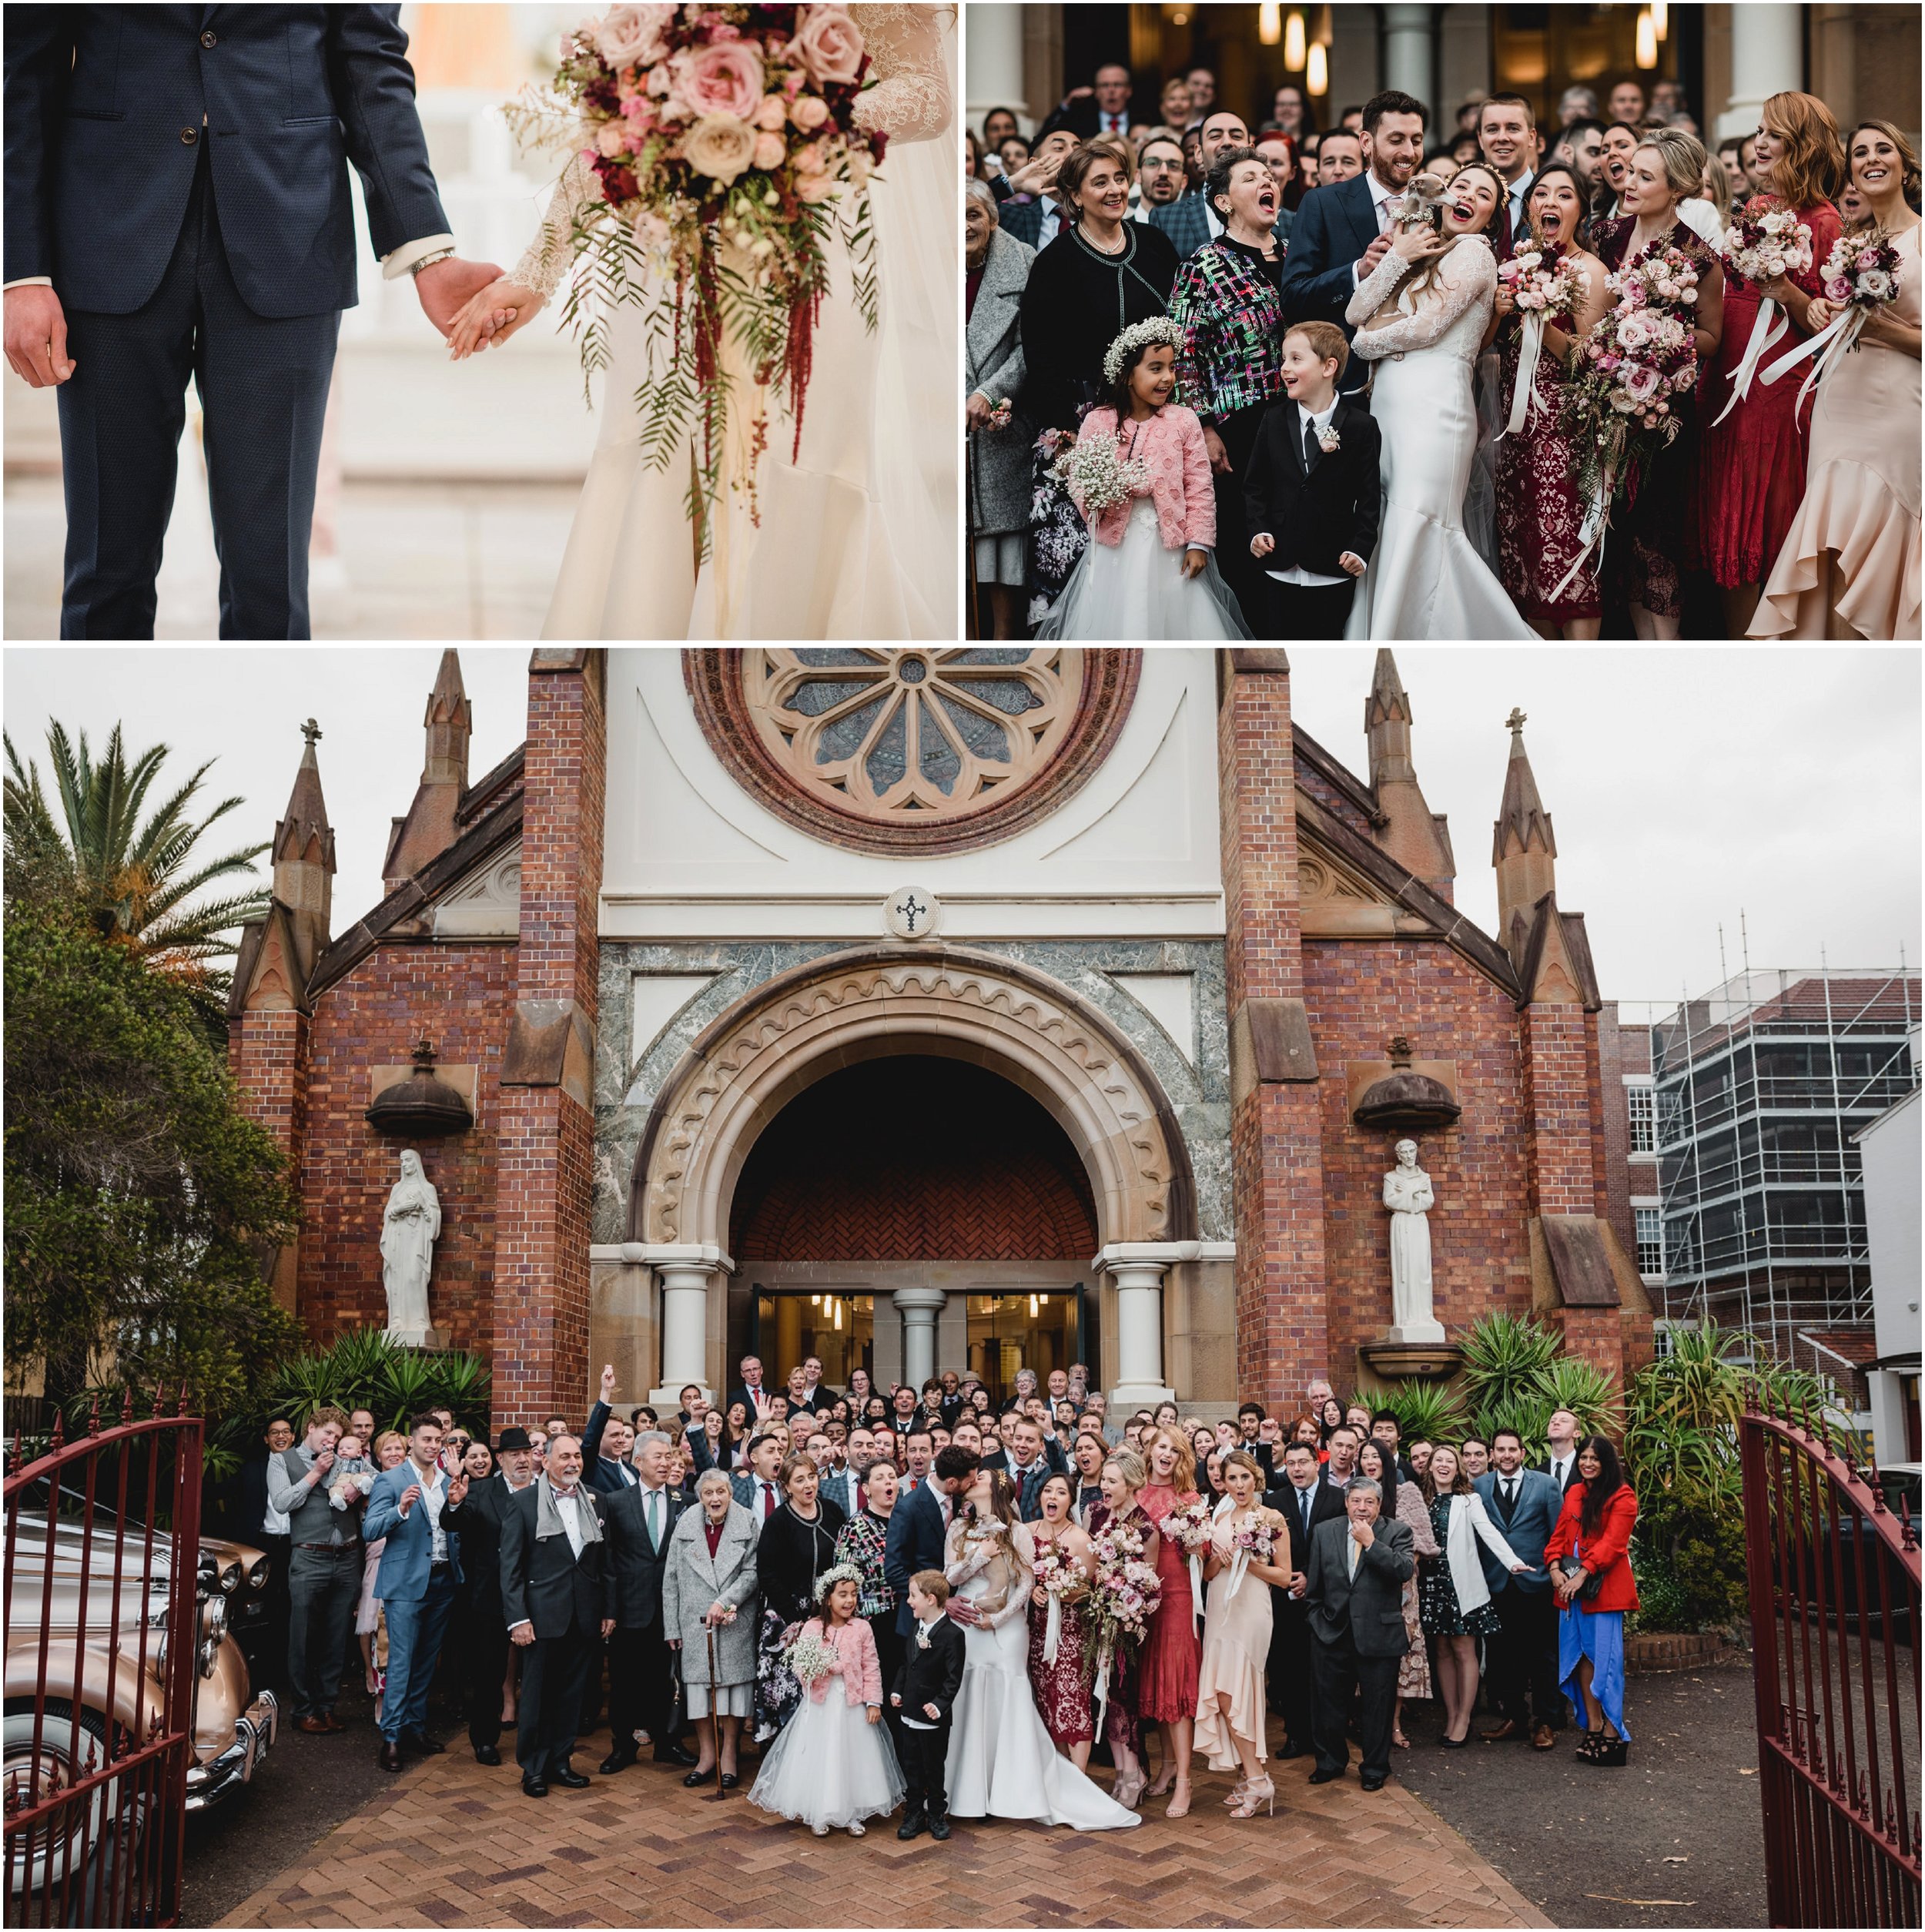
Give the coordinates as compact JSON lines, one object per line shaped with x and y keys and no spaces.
{"x":177,"y":205}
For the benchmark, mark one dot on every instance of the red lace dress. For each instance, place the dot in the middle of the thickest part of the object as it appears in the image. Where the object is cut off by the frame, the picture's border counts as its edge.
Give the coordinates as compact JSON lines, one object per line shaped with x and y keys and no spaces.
{"x":1063,"y":1688}
{"x":1539,"y":517}
{"x":1172,"y":1660}
{"x":1751,"y":468}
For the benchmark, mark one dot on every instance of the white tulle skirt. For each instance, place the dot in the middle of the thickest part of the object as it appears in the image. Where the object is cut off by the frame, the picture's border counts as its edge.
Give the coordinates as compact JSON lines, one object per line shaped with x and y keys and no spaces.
{"x":1136,"y":589}
{"x":830,"y":1766}
{"x":1425,"y":578}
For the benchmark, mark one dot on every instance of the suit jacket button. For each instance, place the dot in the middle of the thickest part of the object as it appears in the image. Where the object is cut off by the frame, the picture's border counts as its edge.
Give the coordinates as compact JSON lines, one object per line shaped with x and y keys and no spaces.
{"x":188,"y":136}
{"x":208,"y":37}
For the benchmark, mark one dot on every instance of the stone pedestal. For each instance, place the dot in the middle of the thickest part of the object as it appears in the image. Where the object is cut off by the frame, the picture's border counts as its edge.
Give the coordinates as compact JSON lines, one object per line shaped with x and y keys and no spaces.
{"x":918,"y":1308}
{"x":434,"y":1338}
{"x":1397,"y":1361}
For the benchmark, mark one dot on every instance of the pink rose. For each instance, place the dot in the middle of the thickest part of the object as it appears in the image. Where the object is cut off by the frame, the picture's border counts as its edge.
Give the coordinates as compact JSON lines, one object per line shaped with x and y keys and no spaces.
{"x":1838,"y":289}
{"x":720,"y":146}
{"x":1868,"y":258}
{"x":1641,"y":384}
{"x":815,"y":188}
{"x":771,"y":115}
{"x":658,"y":82}
{"x":725,"y":77}
{"x":611,"y":139}
{"x":809,"y":113}
{"x":811,"y":160}
{"x":631,"y":36}
{"x":769,"y":150}
{"x":829,"y":45}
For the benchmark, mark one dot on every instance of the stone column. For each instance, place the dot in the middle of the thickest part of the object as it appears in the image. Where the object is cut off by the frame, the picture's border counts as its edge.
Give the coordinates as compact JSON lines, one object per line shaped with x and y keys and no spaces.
{"x":1139,"y":1281}
{"x":995,"y":75}
{"x":918,"y":1308}
{"x":1409,"y":57}
{"x":1767,"y":57}
{"x":687,"y":1273}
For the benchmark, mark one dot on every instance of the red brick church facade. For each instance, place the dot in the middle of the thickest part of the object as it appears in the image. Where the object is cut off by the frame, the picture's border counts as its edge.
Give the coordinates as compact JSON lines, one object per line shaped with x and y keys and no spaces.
{"x":1338,"y":934}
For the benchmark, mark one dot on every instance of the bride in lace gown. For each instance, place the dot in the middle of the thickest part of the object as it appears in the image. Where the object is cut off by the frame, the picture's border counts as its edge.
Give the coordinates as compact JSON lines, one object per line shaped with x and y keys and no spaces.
{"x":857,"y":536}
{"x":1001,"y":1764}
{"x":1425,"y":310}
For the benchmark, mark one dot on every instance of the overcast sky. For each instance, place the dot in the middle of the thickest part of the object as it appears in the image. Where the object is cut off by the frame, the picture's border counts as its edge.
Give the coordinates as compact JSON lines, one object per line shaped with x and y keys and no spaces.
{"x":1685,"y":785}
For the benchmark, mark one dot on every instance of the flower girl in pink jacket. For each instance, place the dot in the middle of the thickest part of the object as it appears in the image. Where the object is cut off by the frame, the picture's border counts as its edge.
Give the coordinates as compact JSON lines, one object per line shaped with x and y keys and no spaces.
{"x":833,"y":1764}
{"x":1141,"y":475}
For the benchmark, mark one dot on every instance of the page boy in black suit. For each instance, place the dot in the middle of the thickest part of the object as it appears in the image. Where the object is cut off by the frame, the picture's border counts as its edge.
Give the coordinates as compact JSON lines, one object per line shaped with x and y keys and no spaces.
{"x":923,"y":1698}
{"x":1313,"y":492}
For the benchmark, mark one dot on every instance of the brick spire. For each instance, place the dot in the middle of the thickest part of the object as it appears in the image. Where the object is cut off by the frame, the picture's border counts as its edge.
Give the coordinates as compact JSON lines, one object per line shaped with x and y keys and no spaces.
{"x":1416,"y":837}
{"x":1522,"y":845}
{"x":428,"y":830}
{"x":303,"y":851}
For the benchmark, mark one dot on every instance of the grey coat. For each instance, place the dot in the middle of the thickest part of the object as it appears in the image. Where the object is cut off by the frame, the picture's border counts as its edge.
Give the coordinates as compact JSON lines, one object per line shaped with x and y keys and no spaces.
{"x":691,"y":1580}
{"x":999,"y":459}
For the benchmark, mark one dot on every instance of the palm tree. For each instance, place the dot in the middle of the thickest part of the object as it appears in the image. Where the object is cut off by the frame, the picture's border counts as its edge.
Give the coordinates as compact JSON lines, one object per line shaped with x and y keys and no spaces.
{"x":134,"y":884}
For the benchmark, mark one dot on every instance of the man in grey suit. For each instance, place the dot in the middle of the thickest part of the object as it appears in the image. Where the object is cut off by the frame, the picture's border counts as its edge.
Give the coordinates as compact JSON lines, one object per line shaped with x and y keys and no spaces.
{"x":1522,"y":1664}
{"x":1357,"y":1569}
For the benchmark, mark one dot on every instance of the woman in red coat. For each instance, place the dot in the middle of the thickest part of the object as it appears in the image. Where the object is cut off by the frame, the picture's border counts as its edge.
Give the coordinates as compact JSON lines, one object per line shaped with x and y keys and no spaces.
{"x":1589,"y":1559}
{"x":1751,"y":465}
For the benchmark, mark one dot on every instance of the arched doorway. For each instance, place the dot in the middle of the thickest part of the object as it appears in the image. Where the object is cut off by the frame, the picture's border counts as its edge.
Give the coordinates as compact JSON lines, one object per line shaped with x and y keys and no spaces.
{"x":906,"y":1176}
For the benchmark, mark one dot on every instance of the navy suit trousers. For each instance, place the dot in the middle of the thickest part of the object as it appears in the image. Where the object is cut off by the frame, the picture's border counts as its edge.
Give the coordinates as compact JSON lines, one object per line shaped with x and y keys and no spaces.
{"x":263,"y":390}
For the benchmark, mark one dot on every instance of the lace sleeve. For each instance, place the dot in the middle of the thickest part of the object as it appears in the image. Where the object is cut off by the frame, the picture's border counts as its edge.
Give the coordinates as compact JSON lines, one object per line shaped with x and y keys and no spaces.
{"x":546,"y":261}
{"x":1376,"y":288}
{"x":910,"y":100}
{"x":1021,"y":1559}
{"x":1465,"y":277}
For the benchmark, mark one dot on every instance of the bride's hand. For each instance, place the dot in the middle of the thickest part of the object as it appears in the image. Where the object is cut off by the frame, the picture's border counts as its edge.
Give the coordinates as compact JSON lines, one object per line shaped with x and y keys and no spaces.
{"x":1419,"y":244}
{"x":491,"y":317}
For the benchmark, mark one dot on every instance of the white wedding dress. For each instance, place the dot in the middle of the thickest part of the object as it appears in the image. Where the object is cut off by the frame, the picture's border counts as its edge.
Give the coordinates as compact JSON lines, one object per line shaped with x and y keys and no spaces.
{"x":857,"y":537}
{"x":1425,"y":579}
{"x":1001,"y":1764}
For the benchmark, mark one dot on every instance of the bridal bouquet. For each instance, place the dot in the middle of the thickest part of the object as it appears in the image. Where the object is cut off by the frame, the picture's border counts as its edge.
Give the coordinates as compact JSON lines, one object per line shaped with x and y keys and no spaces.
{"x":1188,"y":1526}
{"x":1540,"y":289}
{"x":1098,"y":476}
{"x":1123,"y":1596}
{"x":1860,"y":275}
{"x":1061,"y":1579}
{"x":724,"y":142}
{"x":811,"y":1658}
{"x":1768,"y":240}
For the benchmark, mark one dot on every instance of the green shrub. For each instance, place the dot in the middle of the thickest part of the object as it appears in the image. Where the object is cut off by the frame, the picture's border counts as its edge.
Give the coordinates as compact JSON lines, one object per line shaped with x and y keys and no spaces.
{"x":365,"y":1370}
{"x":1431,"y":1410}
{"x":1503,"y":1355}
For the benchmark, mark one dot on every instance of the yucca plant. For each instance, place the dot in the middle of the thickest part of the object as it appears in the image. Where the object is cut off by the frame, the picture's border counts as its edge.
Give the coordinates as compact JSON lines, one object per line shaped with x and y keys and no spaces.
{"x":1585,"y":1390}
{"x":1503,"y":1355}
{"x":1431,"y":1409}
{"x":363,"y":1369}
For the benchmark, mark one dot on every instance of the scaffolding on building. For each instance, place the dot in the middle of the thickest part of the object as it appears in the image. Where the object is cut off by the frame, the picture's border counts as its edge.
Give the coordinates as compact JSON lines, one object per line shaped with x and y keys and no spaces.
{"x":1761,"y":1085}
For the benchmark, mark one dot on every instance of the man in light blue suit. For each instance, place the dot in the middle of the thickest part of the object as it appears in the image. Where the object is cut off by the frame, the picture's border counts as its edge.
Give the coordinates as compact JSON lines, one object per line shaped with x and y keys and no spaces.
{"x":417,"y":1506}
{"x":1523,"y":1662}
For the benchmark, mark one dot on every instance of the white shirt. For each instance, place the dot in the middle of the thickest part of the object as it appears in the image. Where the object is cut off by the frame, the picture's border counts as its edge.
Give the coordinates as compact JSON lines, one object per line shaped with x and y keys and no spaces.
{"x":1561,"y":1468}
{"x":567,"y":1507}
{"x":1112,"y":123}
{"x":434,"y":1489}
{"x":628,"y":1477}
{"x":919,"y":1723}
{"x":1295,"y":573}
{"x":766,"y":1498}
{"x":1052,"y":222}
{"x":654,"y":1509}
{"x":1515,"y":195}
{"x":1380,"y":197}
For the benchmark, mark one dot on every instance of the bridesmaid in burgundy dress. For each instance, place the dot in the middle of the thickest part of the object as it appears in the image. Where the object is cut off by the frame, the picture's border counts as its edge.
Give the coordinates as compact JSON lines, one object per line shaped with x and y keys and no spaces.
{"x":1751,"y":473}
{"x":1124,"y":1478}
{"x":1538,"y":516}
{"x":1063,"y":1688}
{"x":1172,"y":1660}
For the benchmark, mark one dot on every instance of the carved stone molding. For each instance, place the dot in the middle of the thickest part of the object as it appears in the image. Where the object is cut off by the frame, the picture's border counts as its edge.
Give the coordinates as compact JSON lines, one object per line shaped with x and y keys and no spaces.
{"x":912,"y":750}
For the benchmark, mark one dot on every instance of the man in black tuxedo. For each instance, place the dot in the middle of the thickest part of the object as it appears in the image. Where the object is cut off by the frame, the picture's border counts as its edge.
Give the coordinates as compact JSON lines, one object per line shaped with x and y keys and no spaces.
{"x":558,"y":1603}
{"x":923,"y":1700}
{"x":177,"y":204}
{"x":606,"y":1443}
{"x":1342,"y":232}
{"x":1103,"y":108}
{"x":1303,"y":1500}
{"x":1560,"y":1449}
{"x":1313,"y":490}
{"x":479,"y":1520}
{"x":640,"y":1522}
{"x":1357,"y":1569}
{"x":919,"y":1526}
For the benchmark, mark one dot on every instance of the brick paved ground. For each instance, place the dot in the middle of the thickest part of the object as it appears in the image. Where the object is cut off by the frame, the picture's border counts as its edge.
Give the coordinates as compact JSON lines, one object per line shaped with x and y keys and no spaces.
{"x":449,"y":1844}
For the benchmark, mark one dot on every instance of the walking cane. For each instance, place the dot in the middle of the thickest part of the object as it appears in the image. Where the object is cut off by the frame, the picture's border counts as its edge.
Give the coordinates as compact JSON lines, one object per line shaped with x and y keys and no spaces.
{"x":719,"y":1796}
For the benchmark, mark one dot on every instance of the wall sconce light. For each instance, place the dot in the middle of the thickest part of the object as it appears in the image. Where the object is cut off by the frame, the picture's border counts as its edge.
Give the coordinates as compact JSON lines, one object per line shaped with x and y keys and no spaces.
{"x":1647,"y":46}
{"x":838,"y":1313}
{"x":1032,"y":1306}
{"x":1294,"y":41}
{"x":1269,"y":22}
{"x":1660,"y":18}
{"x":1317,"y":71}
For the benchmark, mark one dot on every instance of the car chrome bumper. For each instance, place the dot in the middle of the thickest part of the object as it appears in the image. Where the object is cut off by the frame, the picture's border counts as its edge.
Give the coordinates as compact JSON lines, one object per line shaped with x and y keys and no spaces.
{"x":208,"y":1782}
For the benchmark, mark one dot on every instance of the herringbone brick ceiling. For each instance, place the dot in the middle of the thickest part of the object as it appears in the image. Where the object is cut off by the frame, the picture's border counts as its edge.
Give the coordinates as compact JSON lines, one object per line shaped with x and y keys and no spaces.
{"x":913,"y":1158}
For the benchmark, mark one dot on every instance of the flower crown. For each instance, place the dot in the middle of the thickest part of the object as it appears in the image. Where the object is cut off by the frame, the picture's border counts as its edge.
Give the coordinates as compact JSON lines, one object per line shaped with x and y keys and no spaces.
{"x":837,"y":1573}
{"x":1139,"y":334}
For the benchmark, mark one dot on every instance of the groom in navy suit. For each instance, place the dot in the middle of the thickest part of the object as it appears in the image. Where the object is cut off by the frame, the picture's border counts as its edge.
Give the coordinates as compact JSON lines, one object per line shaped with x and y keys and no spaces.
{"x":919,"y":1526}
{"x":177,"y":205}
{"x":1342,"y":232}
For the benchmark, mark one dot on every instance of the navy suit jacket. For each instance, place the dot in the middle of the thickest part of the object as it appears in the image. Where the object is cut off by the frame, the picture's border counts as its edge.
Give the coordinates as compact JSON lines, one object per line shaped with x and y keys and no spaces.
{"x":915,"y":1543}
{"x":108,"y":108}
{"x":408,"y":1552}
{"x":1334,"y":226}
{"x":1539,"y":1504}
{"x":1186,"y":223}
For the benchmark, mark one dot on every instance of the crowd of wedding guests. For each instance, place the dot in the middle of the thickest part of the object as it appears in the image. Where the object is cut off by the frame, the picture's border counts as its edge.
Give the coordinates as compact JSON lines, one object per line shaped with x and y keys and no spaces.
{"x":1313,"y":391}
{"x":1313,"y":1565}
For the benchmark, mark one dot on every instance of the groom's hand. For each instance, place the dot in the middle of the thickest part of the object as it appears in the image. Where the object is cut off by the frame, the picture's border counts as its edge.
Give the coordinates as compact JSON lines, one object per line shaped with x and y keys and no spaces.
{"x":37,"y":337}
{"x":445,"y":287}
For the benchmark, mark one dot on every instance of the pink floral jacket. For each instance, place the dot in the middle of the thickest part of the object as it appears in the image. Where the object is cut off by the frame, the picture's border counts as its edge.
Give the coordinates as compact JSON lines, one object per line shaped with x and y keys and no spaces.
{"x":855,"y":1643}
{"x":1171,"y":444}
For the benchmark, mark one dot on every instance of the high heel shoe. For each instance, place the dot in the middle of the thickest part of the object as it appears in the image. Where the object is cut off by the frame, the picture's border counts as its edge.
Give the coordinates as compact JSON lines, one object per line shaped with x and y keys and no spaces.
{"x":1237,"y":1792}
{"x":1180,"y":1801}
{"x":1128,"y":1790}
{"x":1165,"y":1778}
{"x":1447,"y":1743}
{"x":1260,"y":1791}
{"x":1612,"y":1751}
{"x":1589,"y":1746}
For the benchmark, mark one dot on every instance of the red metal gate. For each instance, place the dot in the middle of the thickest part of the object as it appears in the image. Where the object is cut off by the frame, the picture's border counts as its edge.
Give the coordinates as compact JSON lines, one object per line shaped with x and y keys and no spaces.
{"x":1834,"y":1576}
{"x":102,"y":1624}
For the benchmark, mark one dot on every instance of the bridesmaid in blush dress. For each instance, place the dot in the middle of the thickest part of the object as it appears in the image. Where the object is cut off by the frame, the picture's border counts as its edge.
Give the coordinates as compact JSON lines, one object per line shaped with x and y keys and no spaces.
{"x":1231,"y":1704}
{"x":1172,"y":1655}
{"x":1062,"y":1687}
{"x":1849,"y":566}
{"x":1751,"y":468}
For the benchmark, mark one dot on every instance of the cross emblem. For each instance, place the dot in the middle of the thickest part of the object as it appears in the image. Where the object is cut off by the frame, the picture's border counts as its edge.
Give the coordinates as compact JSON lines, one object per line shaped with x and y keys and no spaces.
{"x":1516,"y":720}
{"x":910,"y":909}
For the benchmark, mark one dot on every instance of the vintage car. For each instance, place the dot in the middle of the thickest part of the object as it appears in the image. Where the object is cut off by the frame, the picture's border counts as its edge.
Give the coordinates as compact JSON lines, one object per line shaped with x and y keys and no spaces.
{"x":120,"y":1608}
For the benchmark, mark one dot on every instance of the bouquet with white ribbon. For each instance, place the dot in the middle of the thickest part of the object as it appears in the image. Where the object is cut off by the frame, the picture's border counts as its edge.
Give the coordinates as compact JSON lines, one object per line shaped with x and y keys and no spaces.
{"x":1188,"y":1527}
{"x":1860,"y":276}
{"x":1541,"y":288}
{"x":1761,"y":246}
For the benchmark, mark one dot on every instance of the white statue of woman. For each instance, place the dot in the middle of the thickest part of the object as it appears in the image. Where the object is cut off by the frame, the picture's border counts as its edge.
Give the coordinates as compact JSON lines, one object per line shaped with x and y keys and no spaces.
{"x":1408,"y":1195}
{"x":409,"y":1226}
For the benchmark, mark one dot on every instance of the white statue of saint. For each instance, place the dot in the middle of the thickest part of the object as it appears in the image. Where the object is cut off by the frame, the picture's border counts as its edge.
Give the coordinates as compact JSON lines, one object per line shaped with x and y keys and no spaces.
{"x":1408,"y":1195}
{"x":409,"y":1224}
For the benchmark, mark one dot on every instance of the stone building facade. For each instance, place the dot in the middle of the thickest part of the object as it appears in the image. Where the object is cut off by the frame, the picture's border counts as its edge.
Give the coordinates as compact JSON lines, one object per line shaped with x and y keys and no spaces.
{"x":972,"y":1007}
